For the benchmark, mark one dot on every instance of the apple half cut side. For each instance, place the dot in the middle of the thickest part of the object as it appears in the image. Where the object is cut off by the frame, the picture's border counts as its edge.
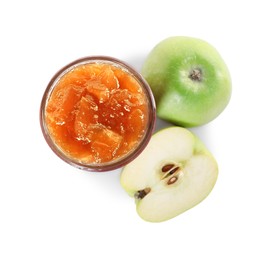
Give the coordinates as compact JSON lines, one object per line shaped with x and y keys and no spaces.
{"x":173,"y":174}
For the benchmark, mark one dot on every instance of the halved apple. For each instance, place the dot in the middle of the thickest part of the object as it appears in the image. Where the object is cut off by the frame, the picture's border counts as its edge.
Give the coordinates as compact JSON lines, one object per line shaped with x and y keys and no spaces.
{"x":173,"y":174}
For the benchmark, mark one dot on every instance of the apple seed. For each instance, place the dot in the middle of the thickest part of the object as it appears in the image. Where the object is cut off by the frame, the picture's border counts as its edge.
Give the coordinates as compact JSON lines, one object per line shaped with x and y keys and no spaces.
{"x":168,"y":170}
{"x":140,"y":194}
{"x":196,"y":74}
{"x":172,"y":180}
{"x":167,"y":167}
{"x":174,"y":170}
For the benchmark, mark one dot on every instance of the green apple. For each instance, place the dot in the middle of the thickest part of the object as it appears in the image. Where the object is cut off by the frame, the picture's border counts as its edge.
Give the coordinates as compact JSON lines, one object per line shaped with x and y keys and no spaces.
{"x":189,"y":79}
{"x":173,"y":174}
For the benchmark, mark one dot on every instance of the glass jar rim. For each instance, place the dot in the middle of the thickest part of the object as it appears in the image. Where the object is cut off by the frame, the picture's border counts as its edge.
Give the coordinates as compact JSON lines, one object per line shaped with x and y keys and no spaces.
{"x":123,"y":160}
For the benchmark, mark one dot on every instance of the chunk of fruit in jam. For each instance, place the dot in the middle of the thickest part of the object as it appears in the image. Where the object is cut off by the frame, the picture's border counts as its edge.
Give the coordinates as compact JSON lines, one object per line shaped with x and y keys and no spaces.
{"x":105,"y":144}
{"x":64,"y":102}
{"x":86,"y":115}
{"x":97,"y":113}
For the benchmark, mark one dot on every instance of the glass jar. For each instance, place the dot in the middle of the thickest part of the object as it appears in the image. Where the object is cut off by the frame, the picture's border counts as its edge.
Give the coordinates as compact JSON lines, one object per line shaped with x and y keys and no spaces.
{"x":97,"y":113}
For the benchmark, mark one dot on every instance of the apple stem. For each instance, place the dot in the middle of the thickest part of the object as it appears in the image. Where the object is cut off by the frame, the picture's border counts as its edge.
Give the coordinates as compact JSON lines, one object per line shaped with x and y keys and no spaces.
{"x":196,"y":74}
{"x":140,"y":194}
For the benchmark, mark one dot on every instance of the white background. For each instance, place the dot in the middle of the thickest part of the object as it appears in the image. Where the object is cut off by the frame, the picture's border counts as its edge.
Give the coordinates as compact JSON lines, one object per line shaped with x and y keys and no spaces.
{"x":49,"y":210}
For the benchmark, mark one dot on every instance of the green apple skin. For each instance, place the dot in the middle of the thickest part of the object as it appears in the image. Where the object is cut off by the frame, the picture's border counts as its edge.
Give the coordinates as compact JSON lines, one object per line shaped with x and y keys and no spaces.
{"x":180,"y":99}
{"x":196,"y":177}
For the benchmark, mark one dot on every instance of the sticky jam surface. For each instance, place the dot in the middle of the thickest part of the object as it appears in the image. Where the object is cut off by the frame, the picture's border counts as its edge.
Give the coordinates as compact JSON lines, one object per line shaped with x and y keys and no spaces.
{"x":97,"y":113}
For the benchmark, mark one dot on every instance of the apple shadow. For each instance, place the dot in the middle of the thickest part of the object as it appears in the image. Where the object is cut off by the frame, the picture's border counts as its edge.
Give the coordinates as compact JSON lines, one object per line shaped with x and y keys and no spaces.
{"x":136,"y":61}
{"x":161,"y":124}
{"x":204,"y":134}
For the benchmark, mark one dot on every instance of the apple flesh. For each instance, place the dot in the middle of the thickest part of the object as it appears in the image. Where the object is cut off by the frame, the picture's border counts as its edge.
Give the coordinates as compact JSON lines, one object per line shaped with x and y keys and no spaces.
{"x":173,"y":174}
{"x":189,"y":79}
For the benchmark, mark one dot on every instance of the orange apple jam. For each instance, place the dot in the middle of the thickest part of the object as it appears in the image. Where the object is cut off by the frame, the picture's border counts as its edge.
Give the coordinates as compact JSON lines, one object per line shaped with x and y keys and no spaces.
{"x":97,"y":113}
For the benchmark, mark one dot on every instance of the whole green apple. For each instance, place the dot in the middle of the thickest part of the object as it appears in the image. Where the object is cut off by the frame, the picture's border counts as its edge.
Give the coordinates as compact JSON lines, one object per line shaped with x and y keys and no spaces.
{"x":189,"y":79}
